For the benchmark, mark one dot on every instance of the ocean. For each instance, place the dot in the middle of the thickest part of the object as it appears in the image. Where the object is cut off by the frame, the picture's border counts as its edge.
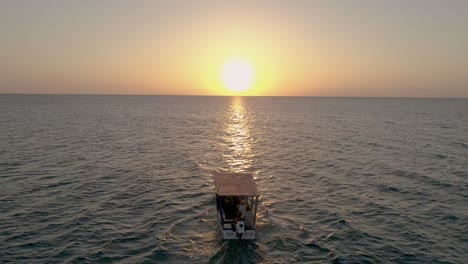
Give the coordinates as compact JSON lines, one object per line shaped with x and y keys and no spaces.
{"x":127,"y":179}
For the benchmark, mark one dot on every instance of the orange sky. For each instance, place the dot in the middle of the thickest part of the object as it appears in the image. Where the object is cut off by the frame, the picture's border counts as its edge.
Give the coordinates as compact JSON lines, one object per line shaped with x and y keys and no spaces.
{"x":300,"y":48}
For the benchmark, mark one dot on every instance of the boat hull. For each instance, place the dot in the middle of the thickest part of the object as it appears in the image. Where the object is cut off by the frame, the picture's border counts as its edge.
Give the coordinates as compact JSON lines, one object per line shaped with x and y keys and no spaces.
{"x":229,"y":234}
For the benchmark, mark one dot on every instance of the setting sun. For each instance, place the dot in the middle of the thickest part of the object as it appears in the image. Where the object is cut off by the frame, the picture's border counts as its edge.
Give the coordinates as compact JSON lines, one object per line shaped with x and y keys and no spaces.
{"x":238,"y":75}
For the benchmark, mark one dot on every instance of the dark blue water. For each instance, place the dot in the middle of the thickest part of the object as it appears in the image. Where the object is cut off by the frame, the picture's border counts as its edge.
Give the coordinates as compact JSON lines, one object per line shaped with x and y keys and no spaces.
{"x":126,"y":179}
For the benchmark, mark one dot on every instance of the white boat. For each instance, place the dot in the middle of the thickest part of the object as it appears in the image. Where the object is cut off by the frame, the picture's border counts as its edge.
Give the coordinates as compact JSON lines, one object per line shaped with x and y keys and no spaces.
{"x":236,"y":202}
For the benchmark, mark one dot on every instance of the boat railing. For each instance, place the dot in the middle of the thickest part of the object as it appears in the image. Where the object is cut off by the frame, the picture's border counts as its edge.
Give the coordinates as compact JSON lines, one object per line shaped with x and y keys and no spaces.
{"x":225,"y":220}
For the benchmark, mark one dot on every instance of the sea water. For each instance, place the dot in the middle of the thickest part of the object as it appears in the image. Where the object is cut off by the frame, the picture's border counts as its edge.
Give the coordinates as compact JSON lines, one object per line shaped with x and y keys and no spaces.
{"x":127,"y":179}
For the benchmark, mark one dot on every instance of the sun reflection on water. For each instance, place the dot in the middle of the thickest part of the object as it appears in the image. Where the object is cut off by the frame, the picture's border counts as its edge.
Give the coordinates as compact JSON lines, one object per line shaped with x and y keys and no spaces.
{"x":237,"y":141}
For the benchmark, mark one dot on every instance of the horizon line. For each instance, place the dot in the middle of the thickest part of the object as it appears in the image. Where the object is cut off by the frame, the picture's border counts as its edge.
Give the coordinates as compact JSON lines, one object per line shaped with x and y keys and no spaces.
{"x":211,"y":95}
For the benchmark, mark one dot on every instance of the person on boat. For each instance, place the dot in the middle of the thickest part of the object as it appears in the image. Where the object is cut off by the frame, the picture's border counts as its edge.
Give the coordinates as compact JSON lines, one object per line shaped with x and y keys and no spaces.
{"x":230,"y":208}
{"x":239,"y":215}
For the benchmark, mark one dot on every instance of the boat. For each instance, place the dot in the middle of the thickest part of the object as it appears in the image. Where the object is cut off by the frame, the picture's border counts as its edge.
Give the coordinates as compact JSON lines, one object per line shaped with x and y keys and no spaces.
{"x":236,"y":203}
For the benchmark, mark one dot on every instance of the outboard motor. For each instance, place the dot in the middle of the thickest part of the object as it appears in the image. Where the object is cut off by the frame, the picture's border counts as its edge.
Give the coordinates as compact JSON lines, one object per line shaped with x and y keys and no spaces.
{"x":240,"y":228}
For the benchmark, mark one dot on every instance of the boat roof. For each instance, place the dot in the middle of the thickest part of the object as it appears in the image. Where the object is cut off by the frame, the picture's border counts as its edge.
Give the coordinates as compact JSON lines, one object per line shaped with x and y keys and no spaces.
{"x":235,"y":184}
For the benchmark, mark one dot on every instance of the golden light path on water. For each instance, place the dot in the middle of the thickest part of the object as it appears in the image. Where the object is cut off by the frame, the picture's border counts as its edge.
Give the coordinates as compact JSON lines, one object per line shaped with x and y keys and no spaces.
{"x":237,"y":141}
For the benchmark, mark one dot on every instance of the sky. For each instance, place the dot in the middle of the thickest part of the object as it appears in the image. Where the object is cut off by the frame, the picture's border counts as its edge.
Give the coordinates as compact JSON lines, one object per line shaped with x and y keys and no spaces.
{"x":296,"y":48}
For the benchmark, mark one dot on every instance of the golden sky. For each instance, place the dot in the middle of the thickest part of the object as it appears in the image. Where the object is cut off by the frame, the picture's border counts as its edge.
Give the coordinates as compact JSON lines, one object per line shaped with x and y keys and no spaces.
{"x":296,"y":48}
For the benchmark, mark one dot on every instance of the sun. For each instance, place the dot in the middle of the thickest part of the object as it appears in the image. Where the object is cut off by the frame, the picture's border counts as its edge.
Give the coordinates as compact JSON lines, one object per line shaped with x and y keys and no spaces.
{"x":238,"y":75}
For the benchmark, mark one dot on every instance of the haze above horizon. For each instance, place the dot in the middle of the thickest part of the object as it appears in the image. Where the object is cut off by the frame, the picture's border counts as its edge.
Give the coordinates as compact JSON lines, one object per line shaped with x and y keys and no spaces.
{"x":271,"y":48}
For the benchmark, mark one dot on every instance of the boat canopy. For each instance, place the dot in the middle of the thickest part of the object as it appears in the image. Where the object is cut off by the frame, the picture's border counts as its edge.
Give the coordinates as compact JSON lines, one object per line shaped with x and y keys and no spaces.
{"x":235,"y":184}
